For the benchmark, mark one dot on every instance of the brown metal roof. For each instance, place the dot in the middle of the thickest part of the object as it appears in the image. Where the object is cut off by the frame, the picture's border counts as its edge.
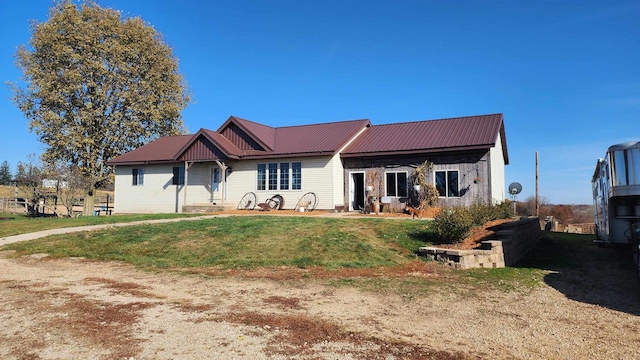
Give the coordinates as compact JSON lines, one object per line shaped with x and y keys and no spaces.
{"x":430,"y":136}
{"x":160,"y":150}
{"x":306,"y":140}
{"x":316,"y":138}
{"x":472,"y":132}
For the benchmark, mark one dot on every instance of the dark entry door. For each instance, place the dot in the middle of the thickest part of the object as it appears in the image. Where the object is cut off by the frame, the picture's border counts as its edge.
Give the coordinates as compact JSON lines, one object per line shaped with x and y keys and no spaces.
{"x":357,"y":181}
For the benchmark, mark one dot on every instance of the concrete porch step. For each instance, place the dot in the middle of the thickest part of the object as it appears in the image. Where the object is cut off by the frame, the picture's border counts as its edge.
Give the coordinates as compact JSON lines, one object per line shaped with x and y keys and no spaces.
{"x":202,"y":208}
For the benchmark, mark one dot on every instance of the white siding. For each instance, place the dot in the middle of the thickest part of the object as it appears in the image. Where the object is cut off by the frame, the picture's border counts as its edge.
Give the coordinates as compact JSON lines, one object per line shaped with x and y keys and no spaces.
{"x":321,"y":175}
{"x":317,"y":177}
{"x":156,"y":195}
{"x":337,"y":181}
{"x":199,"y":184}
{"x":497,"y":172}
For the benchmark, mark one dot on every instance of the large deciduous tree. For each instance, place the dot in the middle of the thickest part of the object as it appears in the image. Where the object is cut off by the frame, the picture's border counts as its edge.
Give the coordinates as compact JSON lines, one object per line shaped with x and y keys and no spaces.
{"x":97,"y":85}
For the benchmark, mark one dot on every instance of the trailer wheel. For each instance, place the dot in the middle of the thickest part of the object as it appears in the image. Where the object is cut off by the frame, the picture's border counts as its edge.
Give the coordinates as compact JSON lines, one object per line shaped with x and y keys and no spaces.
{"x":635,"y":243}
{"x":636,"y":256}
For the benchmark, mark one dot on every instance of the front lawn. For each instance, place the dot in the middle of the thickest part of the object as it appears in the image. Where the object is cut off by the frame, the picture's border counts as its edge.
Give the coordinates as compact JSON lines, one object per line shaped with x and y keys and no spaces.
{"x":16,"y":224}
{"x":244,"y":242}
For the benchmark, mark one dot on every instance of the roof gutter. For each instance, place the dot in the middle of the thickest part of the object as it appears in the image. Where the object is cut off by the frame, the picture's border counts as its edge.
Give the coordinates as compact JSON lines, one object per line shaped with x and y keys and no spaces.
{"x":415,"y":151}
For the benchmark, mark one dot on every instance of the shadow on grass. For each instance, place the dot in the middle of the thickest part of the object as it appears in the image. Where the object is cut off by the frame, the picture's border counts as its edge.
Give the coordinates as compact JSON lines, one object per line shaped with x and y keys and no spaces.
{"x":427,"y":236}
{"x":587,"y":273}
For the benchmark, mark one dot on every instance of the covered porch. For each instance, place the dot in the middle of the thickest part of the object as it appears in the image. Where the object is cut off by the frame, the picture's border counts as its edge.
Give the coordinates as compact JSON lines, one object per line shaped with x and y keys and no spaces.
{"x":204,"y":187}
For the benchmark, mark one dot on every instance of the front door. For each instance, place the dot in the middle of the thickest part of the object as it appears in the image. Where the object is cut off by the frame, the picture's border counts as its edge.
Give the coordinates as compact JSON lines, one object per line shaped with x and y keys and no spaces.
{"x":356,"y":191}
{"x":216,"y":184}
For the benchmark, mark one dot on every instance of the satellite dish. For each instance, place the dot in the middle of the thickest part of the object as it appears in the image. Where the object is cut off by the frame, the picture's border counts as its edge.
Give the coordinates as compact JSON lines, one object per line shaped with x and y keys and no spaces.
{"x":515,"y":188}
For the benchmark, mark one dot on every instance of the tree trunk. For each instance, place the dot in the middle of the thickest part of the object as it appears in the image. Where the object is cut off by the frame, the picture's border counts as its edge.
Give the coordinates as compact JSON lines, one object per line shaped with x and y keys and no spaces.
{"x":89,"y":201}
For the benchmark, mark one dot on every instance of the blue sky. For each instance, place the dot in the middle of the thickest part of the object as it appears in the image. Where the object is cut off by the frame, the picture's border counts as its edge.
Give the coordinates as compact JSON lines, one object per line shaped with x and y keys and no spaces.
{"x":566,"y":74}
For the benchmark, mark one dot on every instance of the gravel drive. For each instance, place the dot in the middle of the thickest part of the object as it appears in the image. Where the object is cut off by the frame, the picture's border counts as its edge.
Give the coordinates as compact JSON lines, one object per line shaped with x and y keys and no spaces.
{"x":80,"y":309}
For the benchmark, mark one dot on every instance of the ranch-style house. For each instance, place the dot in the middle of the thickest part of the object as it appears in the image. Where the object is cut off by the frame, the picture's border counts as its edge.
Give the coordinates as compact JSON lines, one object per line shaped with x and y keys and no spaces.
{"x":340,"y":162}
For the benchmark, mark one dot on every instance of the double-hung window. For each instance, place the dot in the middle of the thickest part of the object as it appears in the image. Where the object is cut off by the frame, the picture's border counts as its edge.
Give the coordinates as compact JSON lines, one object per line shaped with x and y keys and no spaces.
{"x":279,"y":176}
{"x":137,"y":176}
{"x":447,"y":183}
{"x":284,"y":176}
{"x":296,"y":176}
{"x":273,"y":176}
{"x":262,"y":177}
{"x":396,"y":184}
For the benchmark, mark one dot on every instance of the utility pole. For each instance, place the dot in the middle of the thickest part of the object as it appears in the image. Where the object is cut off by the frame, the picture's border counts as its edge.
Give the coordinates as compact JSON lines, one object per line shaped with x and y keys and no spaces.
{"x":537,"y":198}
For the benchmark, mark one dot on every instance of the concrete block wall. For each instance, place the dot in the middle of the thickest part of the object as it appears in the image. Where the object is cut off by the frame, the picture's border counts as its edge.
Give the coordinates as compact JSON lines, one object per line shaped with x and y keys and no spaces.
{"x":518,"y":237}
{"x":514,"y":240}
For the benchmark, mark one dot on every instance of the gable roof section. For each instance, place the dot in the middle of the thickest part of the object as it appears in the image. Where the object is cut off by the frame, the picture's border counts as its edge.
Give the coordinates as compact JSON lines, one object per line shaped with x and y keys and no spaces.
{"x":207,"y":145}
{"x":453,"y":134}
{"x":157,"y":151}
{"x":263,"y":135}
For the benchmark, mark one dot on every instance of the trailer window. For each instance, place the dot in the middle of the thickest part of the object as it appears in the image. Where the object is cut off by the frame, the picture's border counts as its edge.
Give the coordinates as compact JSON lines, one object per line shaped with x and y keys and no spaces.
{"x":619,"y":168}
{"x":626,"y":167}
{"x":633,"y":166}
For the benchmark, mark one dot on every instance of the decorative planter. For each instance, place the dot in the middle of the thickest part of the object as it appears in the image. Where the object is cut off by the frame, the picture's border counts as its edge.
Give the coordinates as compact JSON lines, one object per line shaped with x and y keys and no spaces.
{"x":376,"y":207}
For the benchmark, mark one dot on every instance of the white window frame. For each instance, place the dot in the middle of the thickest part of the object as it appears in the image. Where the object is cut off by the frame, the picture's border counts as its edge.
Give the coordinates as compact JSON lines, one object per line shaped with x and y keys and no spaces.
{"x":397,"y":195}
{"x":263,"y":181}
{"x":137,"y":175}
{"x":279,"y":181}
{"x":446,"y":182}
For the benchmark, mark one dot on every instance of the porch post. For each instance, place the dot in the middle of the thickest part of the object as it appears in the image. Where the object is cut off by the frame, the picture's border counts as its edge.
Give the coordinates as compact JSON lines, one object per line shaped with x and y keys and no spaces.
{"x":223,"y":176}
{"x":186,"y":181}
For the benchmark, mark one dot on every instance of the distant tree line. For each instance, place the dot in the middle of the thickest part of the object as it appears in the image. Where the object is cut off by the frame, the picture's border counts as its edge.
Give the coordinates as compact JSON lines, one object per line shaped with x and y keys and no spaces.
{"x":564,"y":214}
{"x":5,"y":174}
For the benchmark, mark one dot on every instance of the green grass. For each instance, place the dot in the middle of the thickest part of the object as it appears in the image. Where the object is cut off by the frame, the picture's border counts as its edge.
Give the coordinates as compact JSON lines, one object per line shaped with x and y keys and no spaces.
{"x":554,"y":252}
{"x":22,"y":224}
{"x":507,"y":279}
{"x":251,"y":242}
{"x":562,"y":251}
{"x":243,"y":242}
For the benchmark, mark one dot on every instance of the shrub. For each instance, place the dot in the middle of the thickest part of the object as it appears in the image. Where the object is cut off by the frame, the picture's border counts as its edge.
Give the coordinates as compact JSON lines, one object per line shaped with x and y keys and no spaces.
{"x":483,"y":213}
{"x":453,"y":224}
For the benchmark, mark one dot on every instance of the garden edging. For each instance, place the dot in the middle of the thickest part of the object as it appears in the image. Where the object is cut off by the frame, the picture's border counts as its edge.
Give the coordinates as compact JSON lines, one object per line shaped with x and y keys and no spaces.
{"x":514,"y":240}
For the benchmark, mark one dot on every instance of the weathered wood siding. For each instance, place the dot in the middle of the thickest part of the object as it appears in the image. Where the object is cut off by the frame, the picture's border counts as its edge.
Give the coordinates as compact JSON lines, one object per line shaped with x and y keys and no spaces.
{"x":470,"y":165}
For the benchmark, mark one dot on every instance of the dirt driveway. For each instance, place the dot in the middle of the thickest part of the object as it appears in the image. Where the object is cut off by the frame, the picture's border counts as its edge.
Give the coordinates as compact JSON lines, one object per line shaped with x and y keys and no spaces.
{"x":79,"y":309}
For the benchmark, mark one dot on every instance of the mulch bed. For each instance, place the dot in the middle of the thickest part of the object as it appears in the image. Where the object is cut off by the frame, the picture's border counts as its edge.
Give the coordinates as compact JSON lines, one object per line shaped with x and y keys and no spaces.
{"x":477,"y":235}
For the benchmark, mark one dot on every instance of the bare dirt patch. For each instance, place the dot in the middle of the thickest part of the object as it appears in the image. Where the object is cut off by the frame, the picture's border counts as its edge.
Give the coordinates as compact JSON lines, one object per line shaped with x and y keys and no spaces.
{"x":73,"y":308}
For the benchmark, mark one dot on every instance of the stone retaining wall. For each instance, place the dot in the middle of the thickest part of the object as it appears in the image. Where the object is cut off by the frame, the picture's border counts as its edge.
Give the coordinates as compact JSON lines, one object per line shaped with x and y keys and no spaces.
{"x":514,"y":239}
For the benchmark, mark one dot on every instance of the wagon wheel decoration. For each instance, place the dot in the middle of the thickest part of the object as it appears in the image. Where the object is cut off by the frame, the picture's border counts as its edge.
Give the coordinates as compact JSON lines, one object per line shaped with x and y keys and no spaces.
{"x":308,"y":201}
{"x":275,"y":202}
{"x":248,"y":201}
